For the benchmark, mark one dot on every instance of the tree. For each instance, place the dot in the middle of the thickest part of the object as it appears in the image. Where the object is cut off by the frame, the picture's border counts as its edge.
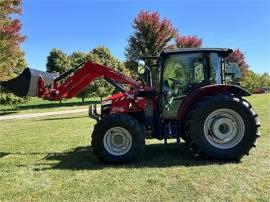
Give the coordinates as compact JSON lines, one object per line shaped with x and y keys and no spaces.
{"x":188,"y":42}
{"x":151,"y":35}
{"x":254,"y":81}
{"x":57,"y":61}
{"x":264,"y":80}
{"x":238,"y":57}
{"x":77,"y":58}
{"x":251,"y":81}
{"x":103,"y":56}
{"x":12,"y":60}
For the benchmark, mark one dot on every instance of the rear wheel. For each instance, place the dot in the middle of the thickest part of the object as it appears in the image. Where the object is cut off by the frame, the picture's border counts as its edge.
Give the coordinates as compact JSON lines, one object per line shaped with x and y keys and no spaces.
{"x":222,"y":127}
{"x":118,"y":138}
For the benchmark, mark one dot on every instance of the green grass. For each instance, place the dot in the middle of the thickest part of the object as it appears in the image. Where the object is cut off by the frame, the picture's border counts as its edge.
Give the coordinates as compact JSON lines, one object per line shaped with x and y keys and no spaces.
{"x":50,"y":159}
{"x":39,"y":105}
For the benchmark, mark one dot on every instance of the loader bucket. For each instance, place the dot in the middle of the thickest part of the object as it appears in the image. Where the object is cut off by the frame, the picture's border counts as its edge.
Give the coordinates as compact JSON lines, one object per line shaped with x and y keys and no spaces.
{"x":25,"y":84}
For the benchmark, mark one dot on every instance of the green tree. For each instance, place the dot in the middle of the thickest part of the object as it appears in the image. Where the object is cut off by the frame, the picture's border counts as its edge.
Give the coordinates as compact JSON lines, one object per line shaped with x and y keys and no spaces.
{"x":264,"y":80}
{"x":12,"y":60}
{"x":57,"y":61}
{"x":75,"y":59}
{"x":103,"y":56}
{"x":251,"y":81}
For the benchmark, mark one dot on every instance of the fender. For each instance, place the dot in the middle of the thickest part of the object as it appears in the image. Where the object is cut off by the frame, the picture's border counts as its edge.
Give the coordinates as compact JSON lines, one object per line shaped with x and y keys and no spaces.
{"x":197,"y":94}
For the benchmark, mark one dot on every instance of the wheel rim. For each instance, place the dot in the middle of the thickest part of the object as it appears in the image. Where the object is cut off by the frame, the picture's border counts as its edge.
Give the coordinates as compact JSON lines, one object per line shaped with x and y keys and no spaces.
{"x":224,"y":128}
{"x":117,"y":141}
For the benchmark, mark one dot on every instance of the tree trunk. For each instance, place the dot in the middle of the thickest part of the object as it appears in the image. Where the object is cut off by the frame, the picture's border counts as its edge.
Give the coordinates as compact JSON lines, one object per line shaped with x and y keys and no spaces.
{"x":82,"y":99}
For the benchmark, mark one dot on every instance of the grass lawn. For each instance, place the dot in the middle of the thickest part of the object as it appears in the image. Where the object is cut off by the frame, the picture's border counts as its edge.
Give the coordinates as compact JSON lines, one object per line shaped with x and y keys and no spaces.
{"x":39,"y":105}
{"x":50,"y":159}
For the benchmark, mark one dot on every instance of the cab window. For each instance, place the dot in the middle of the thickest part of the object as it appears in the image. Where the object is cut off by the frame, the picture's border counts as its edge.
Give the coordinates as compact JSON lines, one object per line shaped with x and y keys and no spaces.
{"x":180,"y":71}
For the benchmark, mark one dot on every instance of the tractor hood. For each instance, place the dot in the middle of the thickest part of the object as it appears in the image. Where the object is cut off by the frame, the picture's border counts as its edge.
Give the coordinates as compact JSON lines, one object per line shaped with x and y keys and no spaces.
{"x":25,"y":84}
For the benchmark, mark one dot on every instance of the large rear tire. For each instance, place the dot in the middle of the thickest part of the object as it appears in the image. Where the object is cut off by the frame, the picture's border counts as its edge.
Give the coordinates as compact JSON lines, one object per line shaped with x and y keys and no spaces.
{"x":222,"y":127}
{"x":118,"y":139}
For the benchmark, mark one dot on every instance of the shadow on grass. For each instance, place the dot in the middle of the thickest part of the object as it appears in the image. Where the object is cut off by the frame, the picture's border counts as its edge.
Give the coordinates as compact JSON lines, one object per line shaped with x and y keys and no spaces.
{"x":7,"y":112}
{"x":2,"y":154}
{"x":61,"y":118}
{"x":155,"y":155}
{"x":46,"y":106}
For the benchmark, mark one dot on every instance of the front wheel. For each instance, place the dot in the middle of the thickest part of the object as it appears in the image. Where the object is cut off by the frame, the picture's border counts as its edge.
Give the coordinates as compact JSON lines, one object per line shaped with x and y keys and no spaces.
{"x":118,"y":138}
{"x":222,"y":127}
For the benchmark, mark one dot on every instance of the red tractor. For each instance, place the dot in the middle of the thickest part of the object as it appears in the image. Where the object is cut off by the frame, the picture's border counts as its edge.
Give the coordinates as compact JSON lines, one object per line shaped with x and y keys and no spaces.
{"x":191,"y":100}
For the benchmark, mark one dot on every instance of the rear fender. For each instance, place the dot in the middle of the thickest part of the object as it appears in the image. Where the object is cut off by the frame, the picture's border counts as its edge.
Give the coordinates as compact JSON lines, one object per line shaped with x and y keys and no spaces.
{"x":197,"y":94}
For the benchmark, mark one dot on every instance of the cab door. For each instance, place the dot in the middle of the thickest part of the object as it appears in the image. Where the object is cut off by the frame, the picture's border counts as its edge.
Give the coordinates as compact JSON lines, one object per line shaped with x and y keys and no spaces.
{"x":180,"y":73}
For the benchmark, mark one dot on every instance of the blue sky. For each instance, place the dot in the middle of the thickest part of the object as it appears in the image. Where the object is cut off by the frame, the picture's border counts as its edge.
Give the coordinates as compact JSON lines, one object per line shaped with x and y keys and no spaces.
{"x":82,"y":25}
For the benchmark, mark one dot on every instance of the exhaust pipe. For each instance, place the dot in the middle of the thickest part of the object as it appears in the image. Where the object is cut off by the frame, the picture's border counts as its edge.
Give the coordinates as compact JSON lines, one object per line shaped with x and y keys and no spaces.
{"x":25,"y":84}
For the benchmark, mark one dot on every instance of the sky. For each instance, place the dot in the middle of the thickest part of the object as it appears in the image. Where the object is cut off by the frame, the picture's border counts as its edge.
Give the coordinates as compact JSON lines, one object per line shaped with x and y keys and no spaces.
{"x":81,"y":25}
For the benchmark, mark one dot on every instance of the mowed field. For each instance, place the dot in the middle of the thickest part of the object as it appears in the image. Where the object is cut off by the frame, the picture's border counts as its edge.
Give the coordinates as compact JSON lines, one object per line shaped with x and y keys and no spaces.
{"x":36,"y":105}
{"x":50,"y":159}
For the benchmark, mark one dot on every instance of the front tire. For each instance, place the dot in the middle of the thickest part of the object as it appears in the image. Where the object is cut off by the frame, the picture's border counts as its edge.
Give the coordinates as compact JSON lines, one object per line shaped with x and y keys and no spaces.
{"x":118,"y":139}
{"x":222,"y":127}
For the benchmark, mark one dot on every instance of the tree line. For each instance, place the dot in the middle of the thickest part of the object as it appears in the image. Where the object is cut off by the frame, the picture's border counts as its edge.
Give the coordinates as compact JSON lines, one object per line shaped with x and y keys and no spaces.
{"x":58,"y":61}
{"x":151,"y":34}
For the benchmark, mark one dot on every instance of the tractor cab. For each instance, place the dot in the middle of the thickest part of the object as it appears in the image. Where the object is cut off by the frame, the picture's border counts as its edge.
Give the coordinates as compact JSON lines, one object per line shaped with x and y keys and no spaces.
{"x":183,"y":72}
{"x":187,"y":68}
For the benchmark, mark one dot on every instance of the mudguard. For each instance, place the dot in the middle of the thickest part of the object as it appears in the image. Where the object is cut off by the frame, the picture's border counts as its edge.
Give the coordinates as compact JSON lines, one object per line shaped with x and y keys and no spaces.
{"x":197,"y":94}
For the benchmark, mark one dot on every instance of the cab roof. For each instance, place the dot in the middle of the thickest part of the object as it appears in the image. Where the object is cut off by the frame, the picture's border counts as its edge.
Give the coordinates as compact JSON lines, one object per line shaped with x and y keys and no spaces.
{"x":222,"y":51}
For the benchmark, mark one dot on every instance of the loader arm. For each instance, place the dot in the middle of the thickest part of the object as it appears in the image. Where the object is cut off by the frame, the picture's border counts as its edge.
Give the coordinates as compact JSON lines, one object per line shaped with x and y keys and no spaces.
{"x":72,"y":82}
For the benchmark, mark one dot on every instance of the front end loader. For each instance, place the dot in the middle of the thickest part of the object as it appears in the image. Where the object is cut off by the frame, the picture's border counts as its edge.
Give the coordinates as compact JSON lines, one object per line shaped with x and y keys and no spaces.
{"x":197,"y":98}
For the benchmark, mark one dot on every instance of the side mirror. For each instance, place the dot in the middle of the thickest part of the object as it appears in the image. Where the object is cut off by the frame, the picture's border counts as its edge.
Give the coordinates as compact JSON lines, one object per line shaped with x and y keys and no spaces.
{"x":141,"y":67}
{"x":232,"y":69}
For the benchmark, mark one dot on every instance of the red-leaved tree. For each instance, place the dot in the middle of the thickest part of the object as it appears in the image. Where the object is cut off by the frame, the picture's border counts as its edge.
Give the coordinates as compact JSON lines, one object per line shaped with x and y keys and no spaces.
{"x":238,"y":57}
{"x":11,"y":56}
{"x":151,"y":35}
{"x":188,"y":41}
